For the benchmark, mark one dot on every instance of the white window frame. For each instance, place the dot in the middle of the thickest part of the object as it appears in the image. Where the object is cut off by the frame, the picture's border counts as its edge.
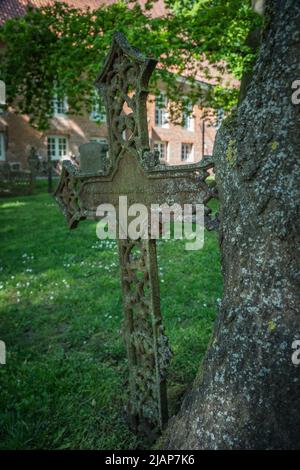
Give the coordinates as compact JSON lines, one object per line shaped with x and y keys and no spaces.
{"x":161,"y":147}
{"x":59,"y":106}
{"x":161,"y":116}
{"x":188,"y":119}
{"x":2,"y":147}
{"x":187,"y":156}
{"x":56,"y":156}
{"x":98,"y":111}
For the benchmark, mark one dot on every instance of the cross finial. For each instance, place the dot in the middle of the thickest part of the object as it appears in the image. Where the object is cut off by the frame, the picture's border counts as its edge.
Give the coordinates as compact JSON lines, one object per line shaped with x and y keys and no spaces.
{"x":123,"y":83}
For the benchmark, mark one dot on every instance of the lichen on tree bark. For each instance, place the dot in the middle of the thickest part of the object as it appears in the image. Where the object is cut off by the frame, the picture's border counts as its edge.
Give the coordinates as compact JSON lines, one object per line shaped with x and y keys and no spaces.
{"x":247,"y":393}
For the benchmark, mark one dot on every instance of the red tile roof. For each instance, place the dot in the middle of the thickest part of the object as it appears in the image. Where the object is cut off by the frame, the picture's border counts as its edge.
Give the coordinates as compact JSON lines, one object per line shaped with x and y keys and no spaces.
{"x":14,"y":8}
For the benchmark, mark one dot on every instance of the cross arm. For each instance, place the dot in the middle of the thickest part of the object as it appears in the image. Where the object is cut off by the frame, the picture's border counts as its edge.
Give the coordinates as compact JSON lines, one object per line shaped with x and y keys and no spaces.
{"x":79,"y":193}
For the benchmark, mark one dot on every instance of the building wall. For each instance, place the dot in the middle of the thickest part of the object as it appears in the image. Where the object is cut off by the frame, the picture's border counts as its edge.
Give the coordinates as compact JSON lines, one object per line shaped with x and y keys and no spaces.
{"x":176,"y":135}
{"x":20,"y":136}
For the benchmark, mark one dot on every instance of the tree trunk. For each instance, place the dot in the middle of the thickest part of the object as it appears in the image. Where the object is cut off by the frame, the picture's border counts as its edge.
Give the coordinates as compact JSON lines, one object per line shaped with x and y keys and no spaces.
{"x":247,"y":393}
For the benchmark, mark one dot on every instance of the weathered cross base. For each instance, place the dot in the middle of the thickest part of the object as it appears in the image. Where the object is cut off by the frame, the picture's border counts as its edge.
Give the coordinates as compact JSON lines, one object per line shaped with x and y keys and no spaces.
{"x":132,"y":170}
{"x":147,"y":346}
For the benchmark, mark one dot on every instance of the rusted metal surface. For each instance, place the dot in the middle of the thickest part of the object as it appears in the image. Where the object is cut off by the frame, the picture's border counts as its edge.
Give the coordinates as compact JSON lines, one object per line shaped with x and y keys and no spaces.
{"x":131,"y":169}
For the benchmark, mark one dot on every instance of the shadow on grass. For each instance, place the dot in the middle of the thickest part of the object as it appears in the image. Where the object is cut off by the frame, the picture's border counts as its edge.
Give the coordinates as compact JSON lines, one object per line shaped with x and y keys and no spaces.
{"x":60,"y":315}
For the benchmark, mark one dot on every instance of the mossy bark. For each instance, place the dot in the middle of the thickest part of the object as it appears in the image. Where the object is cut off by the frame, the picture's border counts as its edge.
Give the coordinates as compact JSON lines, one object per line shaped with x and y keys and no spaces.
{"x":248,"y":392}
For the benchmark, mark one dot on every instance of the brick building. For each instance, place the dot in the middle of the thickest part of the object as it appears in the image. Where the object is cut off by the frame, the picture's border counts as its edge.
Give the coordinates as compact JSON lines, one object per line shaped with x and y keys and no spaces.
{"x":177,"y":144}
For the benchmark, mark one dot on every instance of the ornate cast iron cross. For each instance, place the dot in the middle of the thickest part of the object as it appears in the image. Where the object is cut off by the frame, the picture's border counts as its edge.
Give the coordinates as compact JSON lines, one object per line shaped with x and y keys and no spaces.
{"x":131,"y":169}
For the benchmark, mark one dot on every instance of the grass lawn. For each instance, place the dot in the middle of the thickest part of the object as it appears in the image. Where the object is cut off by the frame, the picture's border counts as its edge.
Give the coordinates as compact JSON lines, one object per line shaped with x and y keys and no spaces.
{"x":60,"y":315}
